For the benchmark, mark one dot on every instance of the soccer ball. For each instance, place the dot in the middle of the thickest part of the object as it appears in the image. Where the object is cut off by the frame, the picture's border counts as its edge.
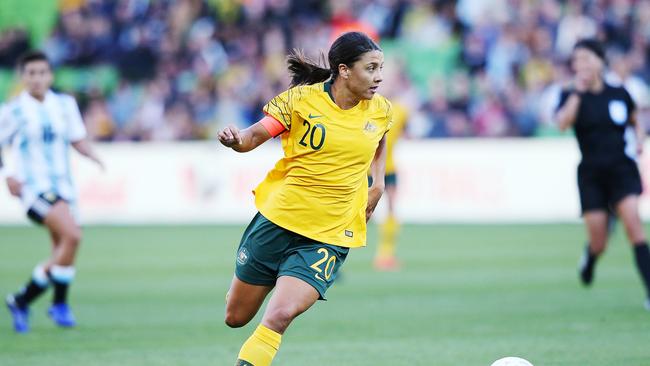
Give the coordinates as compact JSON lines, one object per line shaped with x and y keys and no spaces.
{"x":511,"y":361}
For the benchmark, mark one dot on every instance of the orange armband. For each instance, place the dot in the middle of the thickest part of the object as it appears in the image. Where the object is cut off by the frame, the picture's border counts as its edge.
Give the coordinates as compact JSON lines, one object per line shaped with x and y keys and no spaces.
{"x":272,"y":126}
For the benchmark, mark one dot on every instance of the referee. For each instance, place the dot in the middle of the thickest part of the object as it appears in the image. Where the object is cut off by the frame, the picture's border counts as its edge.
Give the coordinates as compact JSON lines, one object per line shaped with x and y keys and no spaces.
{"x":610,"y":138}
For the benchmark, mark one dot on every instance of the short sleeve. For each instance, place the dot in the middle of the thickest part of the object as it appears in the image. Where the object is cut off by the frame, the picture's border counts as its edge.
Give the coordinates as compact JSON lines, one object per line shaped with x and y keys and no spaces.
{"x":76,"y":128}
{"x":564,"y":96}
{"x":281,"y":107}
{"x":389,"y":115}
{"x":629,"y":102}
{"x":8,"y":125}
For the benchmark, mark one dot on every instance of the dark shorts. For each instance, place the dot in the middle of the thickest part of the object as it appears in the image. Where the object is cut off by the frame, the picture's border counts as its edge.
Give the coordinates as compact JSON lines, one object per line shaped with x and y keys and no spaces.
{"x":603,"y":186}
{"x":42,"y":206}
{"x":268,"y":251}
{"x":390,"y":179}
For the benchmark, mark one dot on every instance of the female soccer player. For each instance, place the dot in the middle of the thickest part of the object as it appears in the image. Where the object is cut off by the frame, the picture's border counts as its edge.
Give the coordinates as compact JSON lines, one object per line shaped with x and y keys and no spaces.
{"x":314,"y":204}
{"x":385,"y":258}
{"x":610,"y":137}
{"x":40,"y":125}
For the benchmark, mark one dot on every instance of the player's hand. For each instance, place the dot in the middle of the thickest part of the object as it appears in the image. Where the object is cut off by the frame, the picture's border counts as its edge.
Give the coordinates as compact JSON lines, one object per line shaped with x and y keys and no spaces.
{"x":374,"y":194}
{"x":581,"y":83}
{"x":15,"y":187}
{"x":100,"y":164}
{"x":230,"y":136}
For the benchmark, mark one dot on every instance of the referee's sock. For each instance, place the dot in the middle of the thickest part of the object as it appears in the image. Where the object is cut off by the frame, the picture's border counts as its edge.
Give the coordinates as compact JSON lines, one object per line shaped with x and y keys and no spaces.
{"x":642,"y":255}
{"x":34,"y":288}
{"x":587,"y":265}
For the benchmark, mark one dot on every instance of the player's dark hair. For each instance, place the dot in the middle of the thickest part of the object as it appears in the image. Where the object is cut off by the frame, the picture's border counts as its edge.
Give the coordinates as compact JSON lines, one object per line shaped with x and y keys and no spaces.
{"x":346,"y":50}
{"x":31,"y":56}
{"x":592,"y":45}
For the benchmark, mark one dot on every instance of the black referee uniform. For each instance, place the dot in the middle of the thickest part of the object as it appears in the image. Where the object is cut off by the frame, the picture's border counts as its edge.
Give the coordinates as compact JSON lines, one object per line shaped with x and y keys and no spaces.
{"x":608,"y":171}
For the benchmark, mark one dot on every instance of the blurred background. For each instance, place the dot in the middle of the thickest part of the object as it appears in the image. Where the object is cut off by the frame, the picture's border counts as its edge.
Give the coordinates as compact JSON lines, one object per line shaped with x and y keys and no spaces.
{"x":178,"y":70}
{"x":479,"y":81}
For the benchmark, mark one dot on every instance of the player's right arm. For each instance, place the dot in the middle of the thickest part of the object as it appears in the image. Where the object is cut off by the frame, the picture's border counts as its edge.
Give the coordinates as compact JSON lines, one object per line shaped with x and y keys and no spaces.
{"x":246,"y":139}
{"x":277,"y":120}
{"x":8,"y":128}
{"x":570,"y":104}
{"x":566,"y":114}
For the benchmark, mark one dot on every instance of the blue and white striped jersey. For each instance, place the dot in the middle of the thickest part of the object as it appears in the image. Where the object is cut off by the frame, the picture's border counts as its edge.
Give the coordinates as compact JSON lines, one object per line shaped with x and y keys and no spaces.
{"x":40,"y":134}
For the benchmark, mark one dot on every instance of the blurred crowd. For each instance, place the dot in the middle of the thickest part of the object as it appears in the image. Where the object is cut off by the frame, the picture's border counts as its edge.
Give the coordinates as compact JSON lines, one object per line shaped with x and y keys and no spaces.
{"x":184,"y":68}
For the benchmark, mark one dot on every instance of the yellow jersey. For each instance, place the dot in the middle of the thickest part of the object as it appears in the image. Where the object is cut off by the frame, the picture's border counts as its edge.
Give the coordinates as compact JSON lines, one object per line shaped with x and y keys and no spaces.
{"x":400,"y":116}
{"x":319,"y":188}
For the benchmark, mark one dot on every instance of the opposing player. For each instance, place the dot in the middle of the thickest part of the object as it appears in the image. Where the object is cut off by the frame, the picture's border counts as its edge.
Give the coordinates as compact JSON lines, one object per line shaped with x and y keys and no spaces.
{"x":610,"y":137}
{"x":385,"y":257}
{"x":40,"y":125}
{"x":314,"y":204}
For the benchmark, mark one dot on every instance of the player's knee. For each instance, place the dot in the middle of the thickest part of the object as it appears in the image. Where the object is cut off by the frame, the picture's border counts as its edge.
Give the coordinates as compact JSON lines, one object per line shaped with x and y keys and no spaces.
{"x":235,"y":320}
{"x":598,"y":249}
{"x":281,"y":317}
{"x":72,"y":236}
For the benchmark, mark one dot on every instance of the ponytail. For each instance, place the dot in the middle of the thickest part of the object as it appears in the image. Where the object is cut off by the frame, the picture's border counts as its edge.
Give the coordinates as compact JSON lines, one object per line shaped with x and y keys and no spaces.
{"x":305,"y":71}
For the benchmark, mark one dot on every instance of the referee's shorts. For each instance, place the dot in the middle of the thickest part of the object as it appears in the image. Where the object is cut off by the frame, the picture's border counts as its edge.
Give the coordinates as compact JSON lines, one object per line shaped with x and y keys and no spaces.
{"x":603,"y":186}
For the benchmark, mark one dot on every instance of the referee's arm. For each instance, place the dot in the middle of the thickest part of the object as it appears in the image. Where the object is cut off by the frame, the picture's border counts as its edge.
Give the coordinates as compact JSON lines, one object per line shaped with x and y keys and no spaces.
{"x":566,"y":115}
{"x":639,"y":128}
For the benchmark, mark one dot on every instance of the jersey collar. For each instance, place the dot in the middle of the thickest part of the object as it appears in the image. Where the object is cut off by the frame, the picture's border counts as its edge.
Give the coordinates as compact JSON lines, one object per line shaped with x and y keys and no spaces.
{"x":27,"y":97}
{"x":327,"y":87}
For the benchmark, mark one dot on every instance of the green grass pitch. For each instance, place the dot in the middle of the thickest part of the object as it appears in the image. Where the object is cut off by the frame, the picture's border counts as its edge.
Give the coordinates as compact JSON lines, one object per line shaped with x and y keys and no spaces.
{"x":467,"y":295}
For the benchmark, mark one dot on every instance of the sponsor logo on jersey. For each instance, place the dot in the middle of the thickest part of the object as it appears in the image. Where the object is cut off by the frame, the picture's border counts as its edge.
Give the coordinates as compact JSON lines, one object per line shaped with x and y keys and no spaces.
{"x":349,"y":233}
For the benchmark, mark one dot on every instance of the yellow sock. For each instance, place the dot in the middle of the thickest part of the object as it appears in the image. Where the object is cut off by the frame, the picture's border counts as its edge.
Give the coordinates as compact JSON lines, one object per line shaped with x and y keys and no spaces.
{"x":387,"y":235}
{"x":260,"y":348}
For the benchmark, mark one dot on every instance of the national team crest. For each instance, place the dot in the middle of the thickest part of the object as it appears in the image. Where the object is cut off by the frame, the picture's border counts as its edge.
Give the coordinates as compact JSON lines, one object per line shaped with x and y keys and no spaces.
{"x":618,"y":112}
{"x":242,"y":256}
{"x":370,"y":127}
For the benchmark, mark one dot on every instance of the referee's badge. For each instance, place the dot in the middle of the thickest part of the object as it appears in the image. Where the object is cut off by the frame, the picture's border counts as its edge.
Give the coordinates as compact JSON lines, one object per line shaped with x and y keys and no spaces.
{"x":618,"y":112}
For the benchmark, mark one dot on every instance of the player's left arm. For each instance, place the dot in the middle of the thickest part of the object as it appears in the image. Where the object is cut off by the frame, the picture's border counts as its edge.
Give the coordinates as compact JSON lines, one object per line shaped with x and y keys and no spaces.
{"x":84,"y":148}
{"x":378,"y":173}
{"x":77,"y":132}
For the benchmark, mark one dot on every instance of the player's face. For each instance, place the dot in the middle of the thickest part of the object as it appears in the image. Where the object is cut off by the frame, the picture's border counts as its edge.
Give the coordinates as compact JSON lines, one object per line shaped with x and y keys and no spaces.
{"x":365,"y":75}
{"x":586,"y":65}
{"x":37,"y":78}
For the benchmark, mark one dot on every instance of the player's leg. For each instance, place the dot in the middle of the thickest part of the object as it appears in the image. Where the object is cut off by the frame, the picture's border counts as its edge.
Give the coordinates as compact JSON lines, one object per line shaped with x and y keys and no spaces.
{"x":243,"y":301}
{"x":19,"y":302}
{"x":291,"y":297}
{"x":596,"y":225}
{"x":594,"y":203}
{"x":308,"y":270}
{"x":63,"y":227}
{"x":256,"y":269}
{"x":385,"y":258}
{"x":628,"y":211}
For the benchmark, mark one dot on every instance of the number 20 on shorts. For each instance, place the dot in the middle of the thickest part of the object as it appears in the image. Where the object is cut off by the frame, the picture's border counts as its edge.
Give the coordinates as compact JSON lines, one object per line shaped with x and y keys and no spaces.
{"x":330,"y":262}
